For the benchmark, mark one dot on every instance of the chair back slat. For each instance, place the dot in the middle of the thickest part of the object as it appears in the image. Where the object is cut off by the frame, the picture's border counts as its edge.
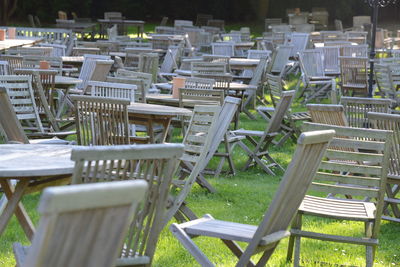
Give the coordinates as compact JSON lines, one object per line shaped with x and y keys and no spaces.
{"x":280,"y":111}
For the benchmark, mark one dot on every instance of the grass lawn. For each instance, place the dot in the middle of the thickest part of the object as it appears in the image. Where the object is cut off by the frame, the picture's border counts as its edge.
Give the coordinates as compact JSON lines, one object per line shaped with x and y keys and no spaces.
{"x":244,"y":198}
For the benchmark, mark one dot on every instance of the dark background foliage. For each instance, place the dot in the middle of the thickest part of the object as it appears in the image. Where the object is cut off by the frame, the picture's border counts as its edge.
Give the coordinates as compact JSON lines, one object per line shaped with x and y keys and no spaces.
{"x":230,"y":10}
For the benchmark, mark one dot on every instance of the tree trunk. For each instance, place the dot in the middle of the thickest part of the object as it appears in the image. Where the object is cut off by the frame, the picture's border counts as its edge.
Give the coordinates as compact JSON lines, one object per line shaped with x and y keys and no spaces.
{"x":8,"y":8}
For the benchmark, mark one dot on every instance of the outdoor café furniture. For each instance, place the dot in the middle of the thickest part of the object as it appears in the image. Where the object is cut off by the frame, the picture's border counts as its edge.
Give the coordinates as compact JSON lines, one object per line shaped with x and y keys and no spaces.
{"x":265,"y":237}
{"x":65,"y":227}
{"x":260,"y":141}
{"x":33,"y":166}
{"x":346,"y":174}
{"x":150,"y":115}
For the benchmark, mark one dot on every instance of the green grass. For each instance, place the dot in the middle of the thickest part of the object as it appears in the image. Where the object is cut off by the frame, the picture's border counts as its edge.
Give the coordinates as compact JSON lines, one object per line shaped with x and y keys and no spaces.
{"x":244,"y":198}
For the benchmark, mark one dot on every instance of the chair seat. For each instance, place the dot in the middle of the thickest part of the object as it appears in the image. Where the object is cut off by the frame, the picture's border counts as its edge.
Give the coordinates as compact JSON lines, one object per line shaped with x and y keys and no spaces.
{"x":313,"y":78}
{"x":354,"y":85}
{"x":338,"y":208}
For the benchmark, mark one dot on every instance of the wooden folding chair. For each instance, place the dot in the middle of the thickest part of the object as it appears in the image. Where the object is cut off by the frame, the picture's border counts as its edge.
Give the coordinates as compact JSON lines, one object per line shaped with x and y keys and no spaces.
{"x":155,"y":164}
{"x":264,"y":238}
{"x":76,"y":220}
{"x":260,"y":147}
{"x":390,"y":122}
{"x":347,"y":172}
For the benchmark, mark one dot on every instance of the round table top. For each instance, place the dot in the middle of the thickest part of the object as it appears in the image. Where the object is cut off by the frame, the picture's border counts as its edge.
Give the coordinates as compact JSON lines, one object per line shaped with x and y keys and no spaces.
{"x":64,"y":80}
{"x":157,"y":110}
{"x":25,"y":160}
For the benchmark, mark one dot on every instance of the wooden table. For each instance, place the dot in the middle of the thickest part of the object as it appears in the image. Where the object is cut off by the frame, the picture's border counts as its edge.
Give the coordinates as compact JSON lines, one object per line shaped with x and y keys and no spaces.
{"x":149,"y":115}
{"x":73,"y":60}
{"x":168,"y":100}
{"x":243,"y":63}
{"x":34,"y":167}
{"x":10,"y":43}
{"x":107,"y":23}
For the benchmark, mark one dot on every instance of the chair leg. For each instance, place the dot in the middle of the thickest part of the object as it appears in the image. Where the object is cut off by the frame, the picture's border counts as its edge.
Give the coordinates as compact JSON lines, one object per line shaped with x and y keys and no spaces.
{"x":188,"y":243}
{"x":296,"y":224}
{"x":370,"y":255}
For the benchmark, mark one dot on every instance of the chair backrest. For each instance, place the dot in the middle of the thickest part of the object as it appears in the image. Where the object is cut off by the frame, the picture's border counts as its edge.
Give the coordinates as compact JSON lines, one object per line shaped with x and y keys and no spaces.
{"x":87,"y":69}
{"x":197,"y":142}
{"x":275,"y":86}
{"x":199,"y":83}
{"x":390,"y":122}
{"x":146,"y":77}
{"x":327,"y":114}
{"x":101,"y":120}
{"x":67,"y":214}
{"x":359,"y":37}
{"x":156,"y":164}
{"x":101,"y":70}
{"x":271,"y":21}
{"x":354,"y":50}
{"x":305,"y":28}
{"x":361,"y":175}
{"x":359,"y":21}
{"x":280,"y":111}
{"x":180,"y":23}
{"x":217,"y":23}
{"x":58,"y":49}
{"x":259,"y":73}
{"x":112,"y":90}
{"x":299,"y":42}
{"x":223,"y":48}
{"x":281,"y":28}
{"x":384,"y":80}
{"x":202,"y":19}
{"x":31,"y":21}
{"x":8,"y":120}
{"x":208,"y":68}
{"x":170,"y":59}
{"x":22,"y":98}
{"x":311,"y":147}
{"x":280,"y":58}
{"x":140,"y":93}
{"x":311,"y":63}
{"x":148,"y":63}
{"x":356,"y":109}
{"x":301,"y":18}
{"x":338,"y":25}
{"x":14,"y":62}
{"x":164,"y":21}
{"x":353,"y":72}
{"x":331,"y":59}
{"x":34,"y":50}
{"x":113,"y":15}
{"x":218,"y":59}
{"x":191,"y":97}
{"x":333,"y":36}
{"x":132,"y":55}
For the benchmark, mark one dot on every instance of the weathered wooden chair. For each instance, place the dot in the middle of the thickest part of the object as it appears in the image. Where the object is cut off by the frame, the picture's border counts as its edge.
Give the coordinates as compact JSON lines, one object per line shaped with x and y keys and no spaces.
{"x":390,"y":122}
{"x":12,"y":128}
{"x":4,"y":68}
{"x":140,"y":93}
{"x":155,"y":164}
{"x":132,"y":56}
{"x":148,"y":63}
{"x":101,"y":120}
{"x":23,"y":100}
{"x":273,"y":227}
{"x":289,"y":129}
{"x":299,"y":40}
{"x":356,"y":109}
{"x":190,"y":97}
{"x":225,"y":117}
{"x":279,"y":60}
{"x":331,"y":60}
{"x":197,"y":142}
{"x":316,"y":85}
{"x":260,"y":147}
{"x":386,"y":84}
{"x":353,"y":76}
{"x":365,"y":177}
{"x":14,"y":62}
{"x":66,"y":224}
{"x":169,"y":63}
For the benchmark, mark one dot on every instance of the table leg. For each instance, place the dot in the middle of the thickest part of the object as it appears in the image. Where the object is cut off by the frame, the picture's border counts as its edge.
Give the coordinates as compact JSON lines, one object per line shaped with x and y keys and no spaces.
{"x":166,"y":125}
{"x":14,"y":206}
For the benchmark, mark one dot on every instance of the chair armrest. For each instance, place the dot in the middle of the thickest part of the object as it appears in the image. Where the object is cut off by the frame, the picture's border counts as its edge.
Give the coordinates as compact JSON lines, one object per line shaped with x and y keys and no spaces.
{"x":274,"y":237}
